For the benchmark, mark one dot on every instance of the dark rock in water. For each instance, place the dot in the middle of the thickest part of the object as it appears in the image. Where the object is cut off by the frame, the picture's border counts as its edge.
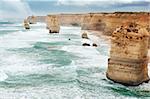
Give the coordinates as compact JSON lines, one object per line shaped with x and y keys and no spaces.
{"x":27,"y":28}
{"x":85,"y":44}
{"x":31,"y":23}
{"x":50,"y":31}
{"x":94,"y":44}
{"x":69,"y":39}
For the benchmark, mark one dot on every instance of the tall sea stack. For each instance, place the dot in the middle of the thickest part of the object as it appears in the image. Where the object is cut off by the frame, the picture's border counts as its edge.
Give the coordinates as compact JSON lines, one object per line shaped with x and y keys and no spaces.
{"x":53,"y":23}
{"x":128,"y":56}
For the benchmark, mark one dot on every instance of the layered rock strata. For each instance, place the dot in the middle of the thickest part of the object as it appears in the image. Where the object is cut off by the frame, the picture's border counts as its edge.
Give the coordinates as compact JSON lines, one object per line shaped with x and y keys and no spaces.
{"x":128,"y":55}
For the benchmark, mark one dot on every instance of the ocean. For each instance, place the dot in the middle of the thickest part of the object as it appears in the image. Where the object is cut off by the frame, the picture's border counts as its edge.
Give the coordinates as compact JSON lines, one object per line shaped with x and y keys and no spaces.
{"x":37,"y":65}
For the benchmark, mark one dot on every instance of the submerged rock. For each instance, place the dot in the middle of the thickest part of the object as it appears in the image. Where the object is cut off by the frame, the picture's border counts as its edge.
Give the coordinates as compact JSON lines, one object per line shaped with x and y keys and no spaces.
{"x":85,"y":44}
{"x":52,"y":31}
{"x":94,"y":44}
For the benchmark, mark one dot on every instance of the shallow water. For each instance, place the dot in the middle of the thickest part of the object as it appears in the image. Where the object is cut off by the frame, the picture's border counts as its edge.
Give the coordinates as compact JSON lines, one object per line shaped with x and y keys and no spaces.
{"x":37,"y":65}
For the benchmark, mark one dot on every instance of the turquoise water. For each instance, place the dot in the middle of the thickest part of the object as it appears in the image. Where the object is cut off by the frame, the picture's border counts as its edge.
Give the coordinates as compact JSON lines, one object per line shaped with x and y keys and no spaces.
{"x":37,"y":65}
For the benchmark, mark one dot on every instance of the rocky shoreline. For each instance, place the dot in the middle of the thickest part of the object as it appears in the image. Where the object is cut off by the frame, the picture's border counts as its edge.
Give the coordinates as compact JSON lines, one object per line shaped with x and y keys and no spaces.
{"x":128,"y":41}
{"x":100,"y":24}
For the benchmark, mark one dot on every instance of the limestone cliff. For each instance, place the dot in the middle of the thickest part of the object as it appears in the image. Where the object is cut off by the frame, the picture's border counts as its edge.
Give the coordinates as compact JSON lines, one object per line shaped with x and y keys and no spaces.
{"x":105,"y":22}
{"x":71,"y":19}
{"x":108,"y":22}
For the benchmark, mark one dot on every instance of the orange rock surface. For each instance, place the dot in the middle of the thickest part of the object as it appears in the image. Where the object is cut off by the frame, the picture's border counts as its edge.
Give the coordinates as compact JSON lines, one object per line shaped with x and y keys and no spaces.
{"x":128,"y":55}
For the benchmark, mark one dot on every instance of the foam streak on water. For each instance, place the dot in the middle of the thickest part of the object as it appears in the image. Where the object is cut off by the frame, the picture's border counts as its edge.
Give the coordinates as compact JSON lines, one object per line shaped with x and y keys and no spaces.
{"x":37,"y":65}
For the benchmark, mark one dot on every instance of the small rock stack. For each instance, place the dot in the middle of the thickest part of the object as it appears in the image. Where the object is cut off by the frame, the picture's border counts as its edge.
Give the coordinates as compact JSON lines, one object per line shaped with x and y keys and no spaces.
{"x":85,"y":36}
{"x":53,"y":23}
{"x":128,"y":56}
{"x":26,"y":24}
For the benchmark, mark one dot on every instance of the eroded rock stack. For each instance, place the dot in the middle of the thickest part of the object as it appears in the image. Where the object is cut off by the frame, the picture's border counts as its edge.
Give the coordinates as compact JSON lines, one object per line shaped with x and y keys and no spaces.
{"x":26,"y":24}
{"x":84,"y":35}
{"x":128,"y":55}
{"x":53,"y":23}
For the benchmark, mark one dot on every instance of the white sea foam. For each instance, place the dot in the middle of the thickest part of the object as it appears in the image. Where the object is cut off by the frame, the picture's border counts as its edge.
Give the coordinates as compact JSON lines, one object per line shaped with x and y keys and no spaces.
{"x":89,"y":58}
{"x":23,"y":39}
{"x":89,"y":55}
{"x":87,"y":41}
{"x":3,"y":76}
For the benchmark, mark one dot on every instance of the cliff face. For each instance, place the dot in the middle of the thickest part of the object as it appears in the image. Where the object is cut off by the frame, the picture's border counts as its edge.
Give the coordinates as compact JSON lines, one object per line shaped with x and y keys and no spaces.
{"x":35,"y":19}
{"x":108,"y":22}
{"x":64,"y":19}
{"x":71,"y":19}
{"x":41,"y":18}
{"x":105,"y":22}
{"x":148,"y":29}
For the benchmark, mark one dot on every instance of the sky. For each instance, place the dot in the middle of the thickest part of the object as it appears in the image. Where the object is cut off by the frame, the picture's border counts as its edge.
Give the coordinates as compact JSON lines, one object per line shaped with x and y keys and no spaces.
{"x":23,"y":8}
